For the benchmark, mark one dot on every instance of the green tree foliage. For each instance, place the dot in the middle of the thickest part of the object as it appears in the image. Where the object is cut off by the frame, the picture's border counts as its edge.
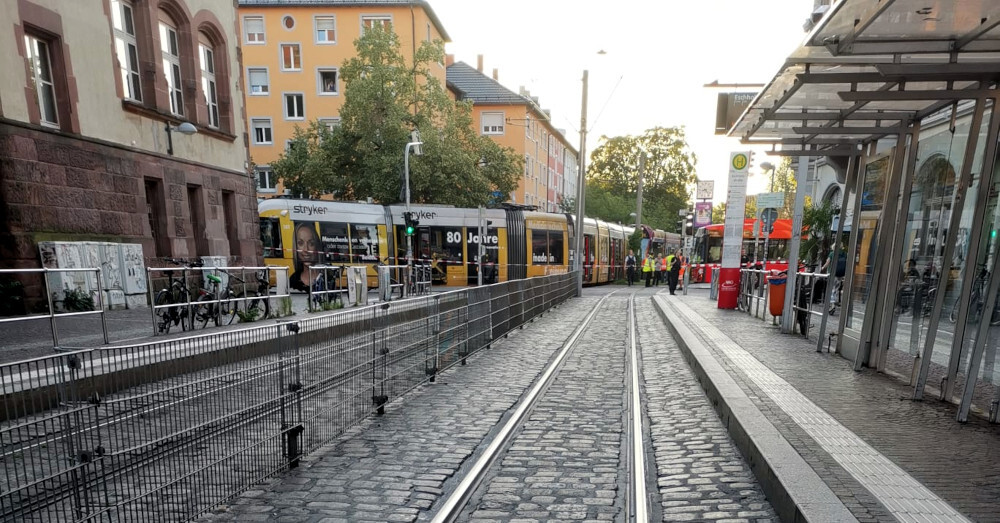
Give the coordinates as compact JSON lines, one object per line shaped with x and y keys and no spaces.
{"x":612,"y":177}
{"x":784,"y":181}
{"x":384,"y":101}
{"x":817,"y":220}
{"x":719,"y":213}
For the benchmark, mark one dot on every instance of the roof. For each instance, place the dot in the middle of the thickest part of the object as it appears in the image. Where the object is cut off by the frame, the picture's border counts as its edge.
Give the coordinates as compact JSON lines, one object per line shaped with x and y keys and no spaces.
{"x":471,"y":84}
{"x":352,"y":3}
{"x":870,"y":68}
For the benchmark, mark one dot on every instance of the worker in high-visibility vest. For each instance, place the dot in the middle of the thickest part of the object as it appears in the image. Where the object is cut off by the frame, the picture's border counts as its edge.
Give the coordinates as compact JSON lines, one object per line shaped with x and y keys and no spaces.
{"x":648,"y":266}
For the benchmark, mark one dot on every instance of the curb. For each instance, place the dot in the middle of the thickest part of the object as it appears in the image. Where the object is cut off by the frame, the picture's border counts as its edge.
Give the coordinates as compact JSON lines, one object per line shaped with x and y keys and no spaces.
{"x":793,"y":488}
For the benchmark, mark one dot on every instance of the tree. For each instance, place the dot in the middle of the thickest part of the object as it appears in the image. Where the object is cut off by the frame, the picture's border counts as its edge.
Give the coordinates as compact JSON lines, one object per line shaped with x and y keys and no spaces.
{"x":719,"y":213}
{"x":384,"y":101}
{"x":669,"y":173}
{"x":817,"y":220}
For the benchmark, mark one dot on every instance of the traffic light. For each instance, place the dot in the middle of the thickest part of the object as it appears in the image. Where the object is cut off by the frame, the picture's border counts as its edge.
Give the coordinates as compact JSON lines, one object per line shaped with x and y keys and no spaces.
{"x":411,"y":222}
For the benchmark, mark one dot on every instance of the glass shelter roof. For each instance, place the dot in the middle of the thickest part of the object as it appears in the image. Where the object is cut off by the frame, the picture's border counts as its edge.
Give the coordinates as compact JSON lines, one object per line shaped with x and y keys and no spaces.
{"x":870,"y":67}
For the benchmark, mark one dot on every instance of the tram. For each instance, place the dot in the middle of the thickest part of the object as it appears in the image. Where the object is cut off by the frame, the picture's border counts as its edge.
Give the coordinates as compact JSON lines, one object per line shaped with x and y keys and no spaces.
{"x":707,"y":253}
{"x":520,"y":242}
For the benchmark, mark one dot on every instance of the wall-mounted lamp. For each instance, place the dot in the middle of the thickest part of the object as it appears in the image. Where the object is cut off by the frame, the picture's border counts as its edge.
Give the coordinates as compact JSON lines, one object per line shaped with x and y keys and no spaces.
{"x":184,"y":128}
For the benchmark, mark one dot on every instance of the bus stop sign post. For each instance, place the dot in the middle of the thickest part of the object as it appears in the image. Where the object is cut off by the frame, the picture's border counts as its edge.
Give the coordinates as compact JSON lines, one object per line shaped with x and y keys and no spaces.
{"x":732,"y":240}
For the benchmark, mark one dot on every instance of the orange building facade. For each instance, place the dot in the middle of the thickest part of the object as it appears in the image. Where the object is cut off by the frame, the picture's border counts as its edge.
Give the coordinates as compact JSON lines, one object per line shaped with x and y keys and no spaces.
{"x":292,"y":55}
{"x":516,"y":120}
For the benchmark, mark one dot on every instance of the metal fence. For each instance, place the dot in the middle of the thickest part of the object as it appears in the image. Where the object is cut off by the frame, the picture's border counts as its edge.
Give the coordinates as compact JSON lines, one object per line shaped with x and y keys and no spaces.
{"x":99,"y":305}
{"x":809,"y":299}
{"x":167,"y":430}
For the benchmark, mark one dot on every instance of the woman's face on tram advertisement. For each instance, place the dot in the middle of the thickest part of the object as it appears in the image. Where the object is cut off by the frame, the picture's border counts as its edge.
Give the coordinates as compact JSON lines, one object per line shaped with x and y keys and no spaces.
{"x":306,"y":243}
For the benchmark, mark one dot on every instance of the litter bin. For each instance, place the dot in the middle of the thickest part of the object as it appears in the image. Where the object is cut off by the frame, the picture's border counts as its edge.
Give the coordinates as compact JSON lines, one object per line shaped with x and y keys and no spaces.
{"x":776,"y":294}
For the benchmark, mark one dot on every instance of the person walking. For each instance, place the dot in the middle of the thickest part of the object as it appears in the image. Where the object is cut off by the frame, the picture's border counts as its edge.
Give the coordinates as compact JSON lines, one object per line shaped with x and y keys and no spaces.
{"x":674,"y":264}
{"x":630,"y":267}
{"x":647,"y":269}
{"x":658,"y":270}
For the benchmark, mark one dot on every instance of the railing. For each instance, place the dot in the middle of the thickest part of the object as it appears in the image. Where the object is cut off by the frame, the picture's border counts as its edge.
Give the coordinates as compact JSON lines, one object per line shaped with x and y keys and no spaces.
{"x":51,"y":299}
{"x":805,"y":298}
{"x":167,"y":430}
{"x":754,"y":292}
{"x":241,"y":296}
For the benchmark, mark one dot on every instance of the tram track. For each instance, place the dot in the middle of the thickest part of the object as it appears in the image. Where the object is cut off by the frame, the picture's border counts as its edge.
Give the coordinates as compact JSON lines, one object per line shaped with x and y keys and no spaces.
{"x":631,"y":447}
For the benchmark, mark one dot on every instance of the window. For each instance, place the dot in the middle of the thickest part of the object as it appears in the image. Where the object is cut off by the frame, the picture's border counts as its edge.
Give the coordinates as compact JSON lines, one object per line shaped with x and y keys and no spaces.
{"x":253,"y":30}
{"x":295,"y":106}
{"x":126,"y":49}
{"x":492,"y":123}
{"x":39,"y":61}
{"x":327,"y":79}
{"x":172,"y":67}
{"x":207,"y":55}
{"x":330,"y":123}
{"x":383,"y":21}
{"x":270,"y":236}
{"x":288,"y":22}
{"x":326,"y":29}
{"x":259,"y":84}
{"x":291,"y":57}
{"x":267,"y":181}
{"x":261,"y":128}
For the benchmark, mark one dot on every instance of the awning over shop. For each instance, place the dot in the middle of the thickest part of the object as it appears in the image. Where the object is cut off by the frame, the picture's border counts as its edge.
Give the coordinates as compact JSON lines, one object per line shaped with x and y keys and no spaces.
{"x":870,"y":67}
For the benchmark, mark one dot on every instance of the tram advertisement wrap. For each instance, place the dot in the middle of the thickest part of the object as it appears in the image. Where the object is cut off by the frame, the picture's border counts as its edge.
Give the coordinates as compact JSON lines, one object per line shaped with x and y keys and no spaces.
{"x":732,"y":240}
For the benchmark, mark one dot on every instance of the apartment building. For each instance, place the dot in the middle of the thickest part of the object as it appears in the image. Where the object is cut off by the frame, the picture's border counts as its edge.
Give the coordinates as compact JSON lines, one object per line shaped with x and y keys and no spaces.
{"x":517,"y":121}
{"x":122,"y":121}
{"x":292,"y":54}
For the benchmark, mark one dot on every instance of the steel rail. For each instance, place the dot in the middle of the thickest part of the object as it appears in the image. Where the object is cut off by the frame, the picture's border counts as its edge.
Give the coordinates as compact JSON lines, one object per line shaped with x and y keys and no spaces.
{"x":454,"y":505}
{"x":638,"y":498}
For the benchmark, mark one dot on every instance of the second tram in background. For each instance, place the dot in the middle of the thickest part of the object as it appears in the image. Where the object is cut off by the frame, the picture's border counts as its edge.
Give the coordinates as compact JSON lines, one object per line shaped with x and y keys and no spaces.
{"x":707,"y":252}
{"x":520,"y":243}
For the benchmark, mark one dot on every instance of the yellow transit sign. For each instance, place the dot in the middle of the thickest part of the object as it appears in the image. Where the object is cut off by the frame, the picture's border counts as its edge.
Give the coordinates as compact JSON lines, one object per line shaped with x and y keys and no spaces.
{"x":739,"y":161}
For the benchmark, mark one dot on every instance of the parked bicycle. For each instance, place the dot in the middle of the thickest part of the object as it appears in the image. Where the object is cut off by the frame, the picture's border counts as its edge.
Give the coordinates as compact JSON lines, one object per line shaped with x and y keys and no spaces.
{"x":977,"y":301}
{"x":259,"y":299}
{"x":177,"y":294}
{"x":218,"y":305}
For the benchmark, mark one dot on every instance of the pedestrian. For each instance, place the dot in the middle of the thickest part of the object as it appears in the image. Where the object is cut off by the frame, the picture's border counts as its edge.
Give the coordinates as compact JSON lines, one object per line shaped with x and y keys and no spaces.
{"x":674,"y":264}
{"x":658,"y":275}
{"x":647,"y":269}
{"x":630,"y":267}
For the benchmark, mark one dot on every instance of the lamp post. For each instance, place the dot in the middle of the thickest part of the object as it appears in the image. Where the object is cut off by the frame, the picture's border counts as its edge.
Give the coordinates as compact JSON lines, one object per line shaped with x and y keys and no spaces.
{"x":768,"y":166}
{"x":580,"y":193}
{"x":184,"y":128}
{"x":760,"y":212}
{"x":414,"y":144}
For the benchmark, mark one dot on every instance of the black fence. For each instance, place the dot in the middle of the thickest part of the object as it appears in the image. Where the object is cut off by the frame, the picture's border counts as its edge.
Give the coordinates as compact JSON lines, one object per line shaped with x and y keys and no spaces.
{"x":168,"y":430}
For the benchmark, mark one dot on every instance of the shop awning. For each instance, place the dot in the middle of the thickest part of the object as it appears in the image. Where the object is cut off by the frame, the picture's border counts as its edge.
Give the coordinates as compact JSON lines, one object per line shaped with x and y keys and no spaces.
{"x":871,"y":67}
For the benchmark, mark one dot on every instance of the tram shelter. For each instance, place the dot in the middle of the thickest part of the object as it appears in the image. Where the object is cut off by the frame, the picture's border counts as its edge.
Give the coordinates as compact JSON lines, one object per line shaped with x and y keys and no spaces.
{"x":900,"y":95}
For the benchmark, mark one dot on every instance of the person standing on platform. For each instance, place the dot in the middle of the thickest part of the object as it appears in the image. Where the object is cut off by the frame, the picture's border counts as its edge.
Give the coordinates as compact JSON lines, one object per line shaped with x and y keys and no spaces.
{"x":647,"y":269}
{"x":675,"y":270}
{"x":658,"y":268}
{"x":630,"y":267}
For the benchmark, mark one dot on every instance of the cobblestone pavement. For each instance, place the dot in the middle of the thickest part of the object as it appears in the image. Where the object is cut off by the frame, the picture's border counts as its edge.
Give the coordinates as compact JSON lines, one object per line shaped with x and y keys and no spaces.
{"x":958,"y":462}
{"x":395,"y":467}
{"x":701,"y":474}
{"x":566,"y":464}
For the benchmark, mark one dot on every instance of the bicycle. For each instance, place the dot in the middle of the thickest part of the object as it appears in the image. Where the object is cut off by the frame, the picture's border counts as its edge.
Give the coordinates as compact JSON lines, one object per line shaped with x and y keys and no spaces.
{"x":977,"y":301}
{"x":176,"y":293}
{"x":221,"y":311}
{"x":260,"y":301}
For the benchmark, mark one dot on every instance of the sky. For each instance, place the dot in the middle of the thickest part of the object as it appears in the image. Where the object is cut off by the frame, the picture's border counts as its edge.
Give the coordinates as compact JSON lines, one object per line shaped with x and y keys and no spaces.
{"x":658,"y":55}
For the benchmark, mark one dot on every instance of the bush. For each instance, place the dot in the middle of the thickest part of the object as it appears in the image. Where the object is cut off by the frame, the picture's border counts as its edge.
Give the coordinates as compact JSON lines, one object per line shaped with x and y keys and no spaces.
{"x":76,"y":300}
{"x":248,"y":316}
{"x":11,"y":298}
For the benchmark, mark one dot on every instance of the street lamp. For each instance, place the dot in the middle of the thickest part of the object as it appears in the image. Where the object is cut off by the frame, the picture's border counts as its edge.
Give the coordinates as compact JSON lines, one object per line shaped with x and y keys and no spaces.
{"x":184,"y":128}
{"x":414,"y":144}
{"x":768,"y":166}
{"x":580,"y":193}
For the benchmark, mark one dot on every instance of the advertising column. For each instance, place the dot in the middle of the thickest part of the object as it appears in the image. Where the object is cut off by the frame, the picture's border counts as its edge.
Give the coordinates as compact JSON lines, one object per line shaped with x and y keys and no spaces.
{"x":732,"y":239}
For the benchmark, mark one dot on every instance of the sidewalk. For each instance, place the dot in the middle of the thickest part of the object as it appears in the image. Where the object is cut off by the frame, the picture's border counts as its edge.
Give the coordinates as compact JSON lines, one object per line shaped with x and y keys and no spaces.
{"x":886,"y":457}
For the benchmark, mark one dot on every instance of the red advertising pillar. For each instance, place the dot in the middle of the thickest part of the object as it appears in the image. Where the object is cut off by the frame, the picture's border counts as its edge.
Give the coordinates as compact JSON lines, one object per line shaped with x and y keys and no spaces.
{"x":732,"y":239}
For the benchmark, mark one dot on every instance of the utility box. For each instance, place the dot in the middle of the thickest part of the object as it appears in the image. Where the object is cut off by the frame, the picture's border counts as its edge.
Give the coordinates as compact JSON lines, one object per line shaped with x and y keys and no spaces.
{"x":357,"y":286}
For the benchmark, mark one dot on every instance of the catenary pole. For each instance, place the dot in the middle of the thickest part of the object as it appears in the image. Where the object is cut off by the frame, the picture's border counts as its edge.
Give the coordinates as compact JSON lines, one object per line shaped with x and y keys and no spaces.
{"x":580,"y":193}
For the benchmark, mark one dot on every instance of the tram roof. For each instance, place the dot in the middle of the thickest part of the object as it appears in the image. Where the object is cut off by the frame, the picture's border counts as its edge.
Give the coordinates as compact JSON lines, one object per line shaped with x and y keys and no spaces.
{"x":869,"y":68}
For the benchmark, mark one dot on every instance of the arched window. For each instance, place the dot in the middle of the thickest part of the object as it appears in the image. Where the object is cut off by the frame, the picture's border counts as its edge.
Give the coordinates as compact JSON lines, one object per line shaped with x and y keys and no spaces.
{"x":126,"y":48}
{"x":171,"y":55}
{"x":206,"y":56}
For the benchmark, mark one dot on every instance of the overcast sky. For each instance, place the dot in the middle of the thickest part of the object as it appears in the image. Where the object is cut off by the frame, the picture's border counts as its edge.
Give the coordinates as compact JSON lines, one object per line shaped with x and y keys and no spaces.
{"x":659,"y":54}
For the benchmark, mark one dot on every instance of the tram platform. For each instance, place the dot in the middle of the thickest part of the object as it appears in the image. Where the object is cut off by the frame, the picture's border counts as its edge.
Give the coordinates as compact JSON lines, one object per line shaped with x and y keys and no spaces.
{"x":885,"y":456}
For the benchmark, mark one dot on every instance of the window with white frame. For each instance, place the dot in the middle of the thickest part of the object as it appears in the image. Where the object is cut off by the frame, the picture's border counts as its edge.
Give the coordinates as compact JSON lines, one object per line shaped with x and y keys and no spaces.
{"x":172,"y":67}
{"x":326,"y":80}
{"x":40,"y":63}
{"x":267,"y":181}
{"x":326,"y":29}
{"x":492,"y":123}
{"x":261,"y":130}
{"x":258,"y":80}
{"x":330,"y":123}
{"x":295,"y":108}
{"x":253,"y":30}
{"x":291,"y":57}
{"x":208,"y":87}
{"x":126,"y":48}
{"x":370,"y":21}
